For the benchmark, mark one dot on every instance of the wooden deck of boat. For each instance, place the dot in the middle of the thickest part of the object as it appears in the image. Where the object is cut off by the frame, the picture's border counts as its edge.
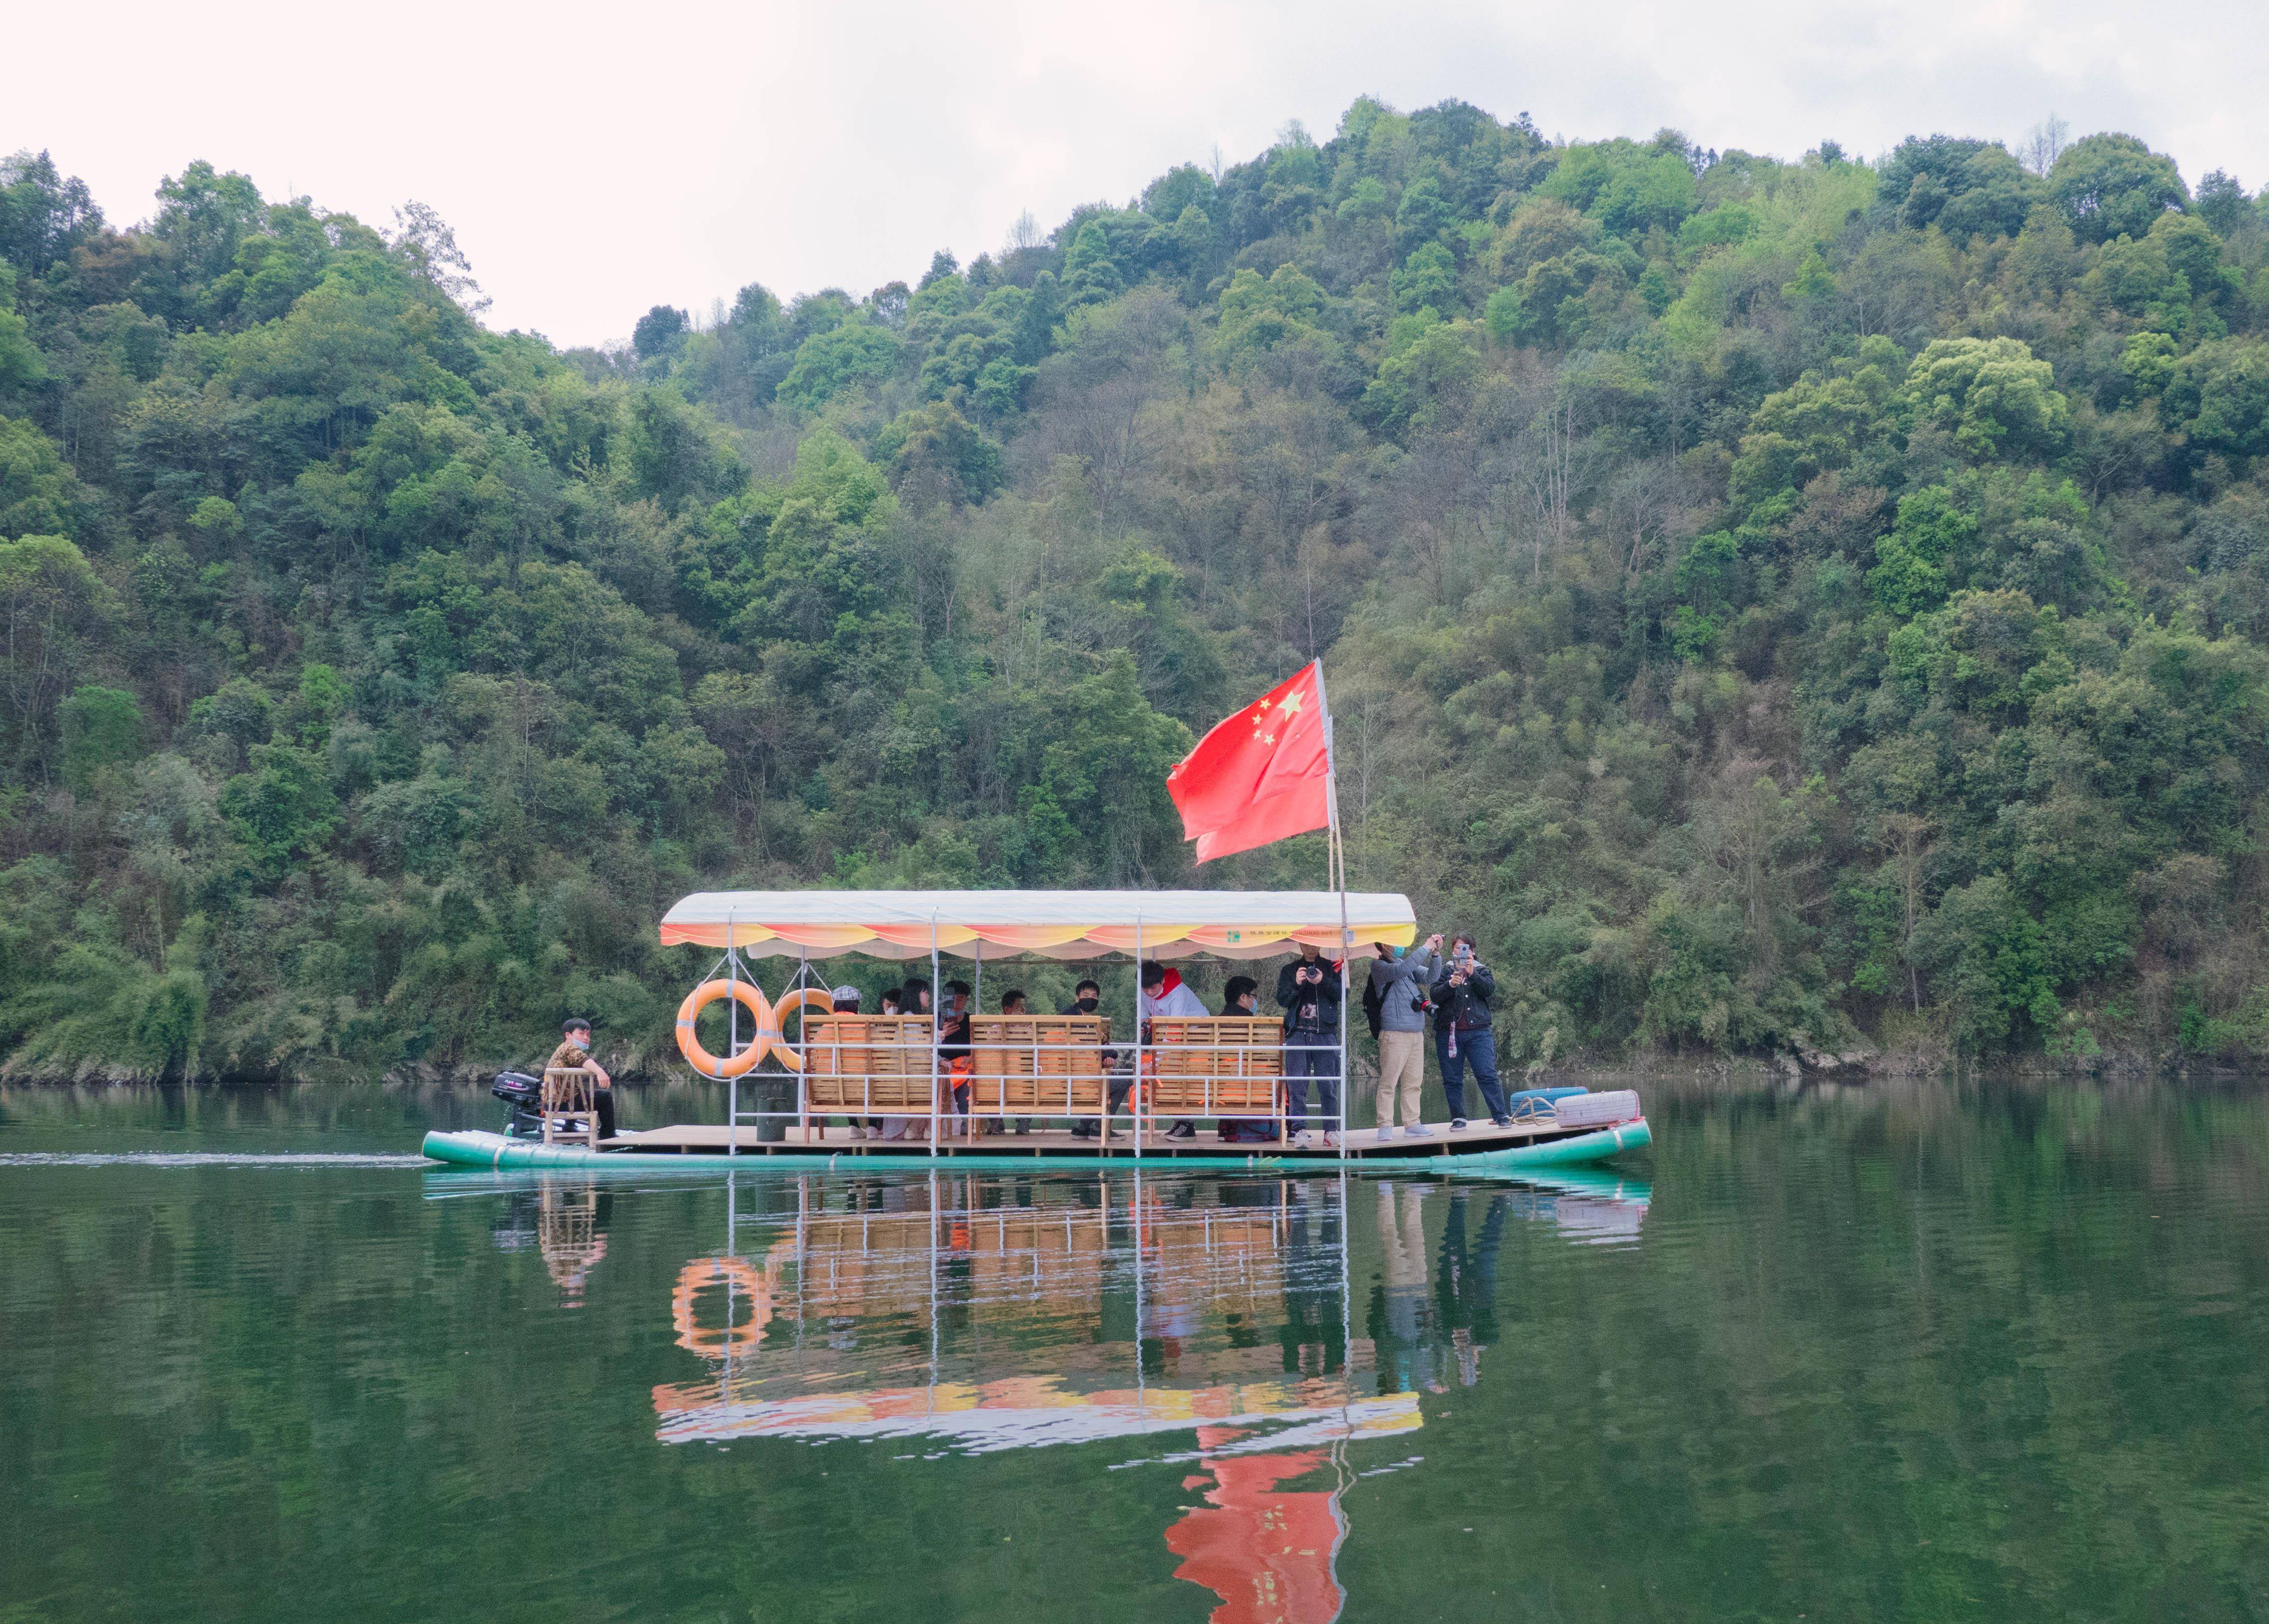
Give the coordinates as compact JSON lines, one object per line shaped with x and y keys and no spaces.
{"x":704,"y":1138}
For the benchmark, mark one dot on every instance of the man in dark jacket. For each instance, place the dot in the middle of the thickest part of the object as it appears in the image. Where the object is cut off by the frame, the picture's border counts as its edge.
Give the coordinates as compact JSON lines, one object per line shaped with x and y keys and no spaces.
{"x":1308,"y":992}
{"x":1462,"y":1033}
{"x":1087,"y":999}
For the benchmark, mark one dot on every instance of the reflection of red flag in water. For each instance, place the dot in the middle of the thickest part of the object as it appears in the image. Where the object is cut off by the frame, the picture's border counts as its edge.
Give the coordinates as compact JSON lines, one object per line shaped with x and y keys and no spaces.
{"x":1262,"y":774}
{"x":1268,"y":1556}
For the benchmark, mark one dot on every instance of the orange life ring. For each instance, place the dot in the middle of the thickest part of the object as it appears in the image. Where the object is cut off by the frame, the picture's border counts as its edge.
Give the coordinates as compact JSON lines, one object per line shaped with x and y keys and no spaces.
{"x":744,"y":1277}
{"x":767,"y":1040}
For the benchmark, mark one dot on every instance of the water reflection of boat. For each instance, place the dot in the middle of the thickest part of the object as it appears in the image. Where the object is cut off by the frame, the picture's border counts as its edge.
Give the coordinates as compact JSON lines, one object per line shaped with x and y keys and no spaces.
{"x":566,"y":1224}
{"x":982,"y":1316}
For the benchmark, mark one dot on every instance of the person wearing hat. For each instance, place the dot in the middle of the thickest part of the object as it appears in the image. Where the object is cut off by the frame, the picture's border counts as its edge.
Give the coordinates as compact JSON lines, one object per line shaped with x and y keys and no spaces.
{"x":846,"y":999}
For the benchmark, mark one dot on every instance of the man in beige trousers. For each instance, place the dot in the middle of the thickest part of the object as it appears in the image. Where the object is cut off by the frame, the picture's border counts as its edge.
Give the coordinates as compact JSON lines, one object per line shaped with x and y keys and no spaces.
{"x":1403,"y":984}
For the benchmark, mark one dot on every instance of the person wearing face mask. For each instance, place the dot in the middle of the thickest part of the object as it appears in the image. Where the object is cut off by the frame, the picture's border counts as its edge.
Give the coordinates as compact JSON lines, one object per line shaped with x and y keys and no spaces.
{"x":1087,"y":999}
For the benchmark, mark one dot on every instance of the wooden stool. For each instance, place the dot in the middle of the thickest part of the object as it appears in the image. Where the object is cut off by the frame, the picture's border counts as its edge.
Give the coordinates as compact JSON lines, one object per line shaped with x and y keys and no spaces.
{"x":569,"y":1092}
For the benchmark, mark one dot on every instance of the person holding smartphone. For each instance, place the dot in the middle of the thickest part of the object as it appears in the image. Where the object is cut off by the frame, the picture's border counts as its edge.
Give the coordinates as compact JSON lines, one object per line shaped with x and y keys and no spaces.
{"x":1308,"y":992}
{"x":1401,"y":982}
{"x":1463,"y":1032}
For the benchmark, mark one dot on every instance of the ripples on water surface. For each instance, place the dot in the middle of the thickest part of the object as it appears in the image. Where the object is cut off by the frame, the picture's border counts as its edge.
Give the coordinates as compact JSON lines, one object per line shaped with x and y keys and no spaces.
{"x":1912,"y":1351}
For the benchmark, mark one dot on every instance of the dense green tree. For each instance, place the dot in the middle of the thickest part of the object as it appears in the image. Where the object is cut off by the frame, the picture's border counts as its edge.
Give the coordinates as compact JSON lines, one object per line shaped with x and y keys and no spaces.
{"x":2115,"y":186}
{"x":1764,"y":600}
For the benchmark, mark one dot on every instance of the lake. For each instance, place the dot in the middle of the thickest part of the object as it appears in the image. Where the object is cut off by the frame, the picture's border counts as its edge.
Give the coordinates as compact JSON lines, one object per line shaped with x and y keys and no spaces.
{"x":1986,"y":1349}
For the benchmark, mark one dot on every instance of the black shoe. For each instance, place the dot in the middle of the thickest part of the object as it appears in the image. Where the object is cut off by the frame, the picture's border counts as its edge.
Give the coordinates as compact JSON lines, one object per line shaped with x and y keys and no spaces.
{"x":1182,"y":1130}
{"x":1502,"y":1122}
{"x":1456,"y":1124}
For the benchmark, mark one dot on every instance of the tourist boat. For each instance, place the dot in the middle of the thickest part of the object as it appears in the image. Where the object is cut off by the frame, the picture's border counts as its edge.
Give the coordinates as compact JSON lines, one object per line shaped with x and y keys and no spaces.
{"x":841,"y":1069}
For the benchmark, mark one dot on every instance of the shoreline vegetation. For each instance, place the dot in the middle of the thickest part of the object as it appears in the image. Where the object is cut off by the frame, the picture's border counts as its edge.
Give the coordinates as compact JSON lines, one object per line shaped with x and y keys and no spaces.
{"x":1780,"y":607}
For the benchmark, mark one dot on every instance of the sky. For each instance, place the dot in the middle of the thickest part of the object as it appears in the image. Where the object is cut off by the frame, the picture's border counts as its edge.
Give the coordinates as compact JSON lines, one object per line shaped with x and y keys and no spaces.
{"x":597,"y":160}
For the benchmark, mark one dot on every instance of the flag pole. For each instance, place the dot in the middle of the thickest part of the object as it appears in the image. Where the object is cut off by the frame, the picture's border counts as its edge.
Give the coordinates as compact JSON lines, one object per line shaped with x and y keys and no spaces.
{"x":1335,"y":859}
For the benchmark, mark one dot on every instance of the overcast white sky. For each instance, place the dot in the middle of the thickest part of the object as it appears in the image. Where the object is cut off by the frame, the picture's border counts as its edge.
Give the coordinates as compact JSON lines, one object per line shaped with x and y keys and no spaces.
{"x":598,"y":160}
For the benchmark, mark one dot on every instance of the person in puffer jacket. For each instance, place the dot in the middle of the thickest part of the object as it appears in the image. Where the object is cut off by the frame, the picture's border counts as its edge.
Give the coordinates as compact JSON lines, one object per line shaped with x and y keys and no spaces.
{"x":1403,"y":981}
{"x":1463,"y":1034}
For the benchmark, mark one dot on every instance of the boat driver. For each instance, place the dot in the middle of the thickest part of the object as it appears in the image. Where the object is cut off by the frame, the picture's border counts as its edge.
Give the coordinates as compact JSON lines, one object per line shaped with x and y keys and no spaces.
{"x":574,"y":1050}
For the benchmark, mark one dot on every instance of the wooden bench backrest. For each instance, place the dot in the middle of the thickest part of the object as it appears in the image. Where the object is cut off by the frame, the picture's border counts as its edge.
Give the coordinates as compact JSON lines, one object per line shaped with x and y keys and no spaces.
{"x":1224,"y":1062}
{"x":1037,"y":1064}
{"x":568,"y":1087}
{"x":867,"y":1063}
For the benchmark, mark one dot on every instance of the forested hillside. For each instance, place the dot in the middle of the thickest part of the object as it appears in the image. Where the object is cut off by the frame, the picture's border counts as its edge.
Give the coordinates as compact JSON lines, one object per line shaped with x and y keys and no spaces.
{"x":1760,"y":598}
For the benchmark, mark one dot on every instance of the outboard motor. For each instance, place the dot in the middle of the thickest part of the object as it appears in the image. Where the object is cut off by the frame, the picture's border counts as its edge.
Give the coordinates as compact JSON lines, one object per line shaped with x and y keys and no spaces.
{"x":524,"y":1096}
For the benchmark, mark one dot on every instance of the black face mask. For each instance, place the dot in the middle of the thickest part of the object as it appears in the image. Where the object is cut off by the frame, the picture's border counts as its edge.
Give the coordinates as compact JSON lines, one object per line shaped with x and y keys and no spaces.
{"x":1085,"y":1006}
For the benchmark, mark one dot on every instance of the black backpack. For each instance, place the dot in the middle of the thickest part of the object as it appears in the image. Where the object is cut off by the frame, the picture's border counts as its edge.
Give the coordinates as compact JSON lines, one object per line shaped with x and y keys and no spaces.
{"x":1373,"y":1011}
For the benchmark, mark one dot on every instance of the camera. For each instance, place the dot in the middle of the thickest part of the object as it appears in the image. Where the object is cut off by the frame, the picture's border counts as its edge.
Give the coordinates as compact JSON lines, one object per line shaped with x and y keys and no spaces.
{"x":1422,"y":1004}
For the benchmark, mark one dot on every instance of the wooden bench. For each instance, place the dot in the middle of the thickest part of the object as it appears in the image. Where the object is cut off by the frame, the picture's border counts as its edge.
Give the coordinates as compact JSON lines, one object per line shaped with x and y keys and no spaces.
{"x":1038,"y":1066}
{"x":570,"y":1092}
{"x":1213,"y":1065}
{"x":866,"y":1065}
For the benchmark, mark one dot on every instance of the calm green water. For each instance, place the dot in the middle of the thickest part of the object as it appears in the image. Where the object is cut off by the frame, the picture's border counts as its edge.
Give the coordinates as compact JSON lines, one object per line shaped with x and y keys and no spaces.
{"x":1919,"y":1350}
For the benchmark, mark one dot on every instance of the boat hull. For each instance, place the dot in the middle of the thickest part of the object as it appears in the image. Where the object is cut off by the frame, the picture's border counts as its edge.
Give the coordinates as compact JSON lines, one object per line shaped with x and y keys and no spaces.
{"x":494,"y":1150}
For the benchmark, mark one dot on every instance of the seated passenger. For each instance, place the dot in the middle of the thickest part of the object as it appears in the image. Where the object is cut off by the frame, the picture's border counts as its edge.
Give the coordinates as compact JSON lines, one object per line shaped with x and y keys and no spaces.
{"x":1164,"y":994}
{"x":1012,"y":1003}
{"x":847,"y":1000}
{"x":1239,"y":997}
{"x":1087,"y":999}
{"x":573,"y":1053}
{"x":953,"y":1052}
{"x":911,"y":999}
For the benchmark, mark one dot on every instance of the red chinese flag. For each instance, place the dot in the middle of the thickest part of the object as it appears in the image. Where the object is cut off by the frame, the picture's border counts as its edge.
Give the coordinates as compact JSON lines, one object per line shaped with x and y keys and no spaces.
{"x":1260,"y":776}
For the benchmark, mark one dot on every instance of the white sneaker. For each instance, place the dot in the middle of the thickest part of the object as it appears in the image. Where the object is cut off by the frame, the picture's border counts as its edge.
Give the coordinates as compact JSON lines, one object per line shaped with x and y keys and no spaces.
{"x":1331,"y":1139}
{"x":1387,"y":1133}
{"x":1419,"y":1130}
{"x":858,"y":1130}
{"x":1300,"y":1140}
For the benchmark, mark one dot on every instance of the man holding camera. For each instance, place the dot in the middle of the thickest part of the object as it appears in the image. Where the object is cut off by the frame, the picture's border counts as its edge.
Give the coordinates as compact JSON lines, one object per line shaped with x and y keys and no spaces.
{"x":1308,"y":992}
{"x":1403,"y":981}
{"x":1463,"y":1034}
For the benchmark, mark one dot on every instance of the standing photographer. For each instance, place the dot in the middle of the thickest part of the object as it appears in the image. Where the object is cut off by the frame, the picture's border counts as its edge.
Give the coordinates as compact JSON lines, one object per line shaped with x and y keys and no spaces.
{"x":1308,"y":992}
{"x":1402,"y":981}
{"x":1463,"y":1034}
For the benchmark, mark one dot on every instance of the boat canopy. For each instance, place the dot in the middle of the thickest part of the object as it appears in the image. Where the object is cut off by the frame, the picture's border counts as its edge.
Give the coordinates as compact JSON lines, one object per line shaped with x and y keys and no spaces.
{"x":1064,"y":925}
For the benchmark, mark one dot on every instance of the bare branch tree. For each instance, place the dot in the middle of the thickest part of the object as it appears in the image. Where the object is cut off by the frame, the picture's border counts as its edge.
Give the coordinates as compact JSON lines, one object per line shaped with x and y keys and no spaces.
{"x":423,"y":237}
{"x":2047,"y":138}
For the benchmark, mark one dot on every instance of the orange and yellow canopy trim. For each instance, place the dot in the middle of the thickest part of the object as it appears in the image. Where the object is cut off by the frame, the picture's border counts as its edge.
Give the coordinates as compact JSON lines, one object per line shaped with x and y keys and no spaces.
{"x":1066,"y":924}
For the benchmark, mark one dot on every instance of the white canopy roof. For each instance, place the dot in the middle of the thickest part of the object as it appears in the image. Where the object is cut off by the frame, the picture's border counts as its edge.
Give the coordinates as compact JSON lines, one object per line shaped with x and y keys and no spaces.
{"x":1067,"y":924}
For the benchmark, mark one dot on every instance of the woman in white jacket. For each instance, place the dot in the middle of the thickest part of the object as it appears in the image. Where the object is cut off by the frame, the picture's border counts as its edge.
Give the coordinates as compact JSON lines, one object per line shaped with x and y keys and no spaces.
{"x":1164,"y":994}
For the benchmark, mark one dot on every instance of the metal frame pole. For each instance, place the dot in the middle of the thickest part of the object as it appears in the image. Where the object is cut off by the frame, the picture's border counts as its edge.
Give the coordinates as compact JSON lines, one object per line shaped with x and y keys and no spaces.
{"x":976,"y":1003}
{"x":1141,"y":1047}
{"x":1335,"y":859}
{"x":936,"y":1029}
{"x":732,"y":1039}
